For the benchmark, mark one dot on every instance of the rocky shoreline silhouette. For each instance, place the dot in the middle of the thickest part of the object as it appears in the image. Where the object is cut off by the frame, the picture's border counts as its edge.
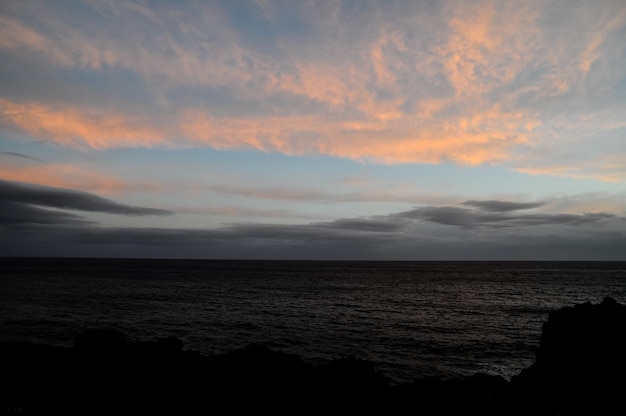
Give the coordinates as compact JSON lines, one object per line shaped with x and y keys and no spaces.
{"x":579,"y":369}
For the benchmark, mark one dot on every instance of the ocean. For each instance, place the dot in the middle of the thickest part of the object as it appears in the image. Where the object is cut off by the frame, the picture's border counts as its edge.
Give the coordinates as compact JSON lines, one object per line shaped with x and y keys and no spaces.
{"x":411,"y":319}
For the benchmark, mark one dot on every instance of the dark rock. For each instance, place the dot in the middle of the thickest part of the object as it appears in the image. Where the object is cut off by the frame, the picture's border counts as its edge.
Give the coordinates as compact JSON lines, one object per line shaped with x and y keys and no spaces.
{"x":579,"y":369}
{"x":100,"y":340}
{"x":479,"y":394}
{"x":170,"y":345}
{"x":352,"y":386}
{"x":580,"y":362}
{"x":255,"y":378}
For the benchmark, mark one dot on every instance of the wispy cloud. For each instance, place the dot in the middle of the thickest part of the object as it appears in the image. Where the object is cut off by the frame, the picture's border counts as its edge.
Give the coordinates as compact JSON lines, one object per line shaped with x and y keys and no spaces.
{"x":76,"y":127}
{"x":468,"y":218}
{"x":240,"y":211}
{"x":412,"y":82}
{"x":317,"y":194}
{"x":502,"y":206}
{"x":462,"y":141}
{"x":19,"y":156}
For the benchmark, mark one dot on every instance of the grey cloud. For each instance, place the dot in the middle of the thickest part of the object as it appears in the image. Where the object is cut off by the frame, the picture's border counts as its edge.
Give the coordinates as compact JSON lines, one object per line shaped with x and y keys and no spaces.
{"x":330,"y":240}
{"x":497,"y":214}
{"x":17,"y":214}
{"x":378,"y":225}
{"x":68,"y":199}
{"x":427,"y":233}
{"x":502,"y":206}
{"x":242,"y":212}
{"x":20,"y":156}
{"x":236,"y":241}
{"x":442,"y":215}
{"x":320,"y":232}
{"x":457,"y":216}
{"x":561,"y":219}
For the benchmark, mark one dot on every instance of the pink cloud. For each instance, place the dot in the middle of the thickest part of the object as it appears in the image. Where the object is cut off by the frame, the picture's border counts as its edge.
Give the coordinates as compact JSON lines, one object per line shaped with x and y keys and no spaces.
{"x":97,"y":129}
{"x":425,"y":89}
{"x":481,"y":138}
{"x":606,"y":172}
{"x":72,"y":177}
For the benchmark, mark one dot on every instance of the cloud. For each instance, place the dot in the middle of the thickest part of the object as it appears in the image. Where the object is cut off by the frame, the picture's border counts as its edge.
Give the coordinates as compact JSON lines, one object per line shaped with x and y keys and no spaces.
{"x":316,"y":242}
{"x":595,"y":164}
{"x":237,"y":211}
{"x":367,"y":225}
{"x":19,"y":156}
{"x":16,"y":35}
{"x":589,"y":202}
{"x":98,"y":129}
{"x":501,"y":214}
{"x":71,"y":176}
{"x":502,"y":206}
{"x":19,"y":167}
{"x":19,"y":194}
{"x":14,"y":214}
{"x":426,"y":233}
{"x":409,"y":83}
{"x":317,"y":194}
{"x":461,"y":140}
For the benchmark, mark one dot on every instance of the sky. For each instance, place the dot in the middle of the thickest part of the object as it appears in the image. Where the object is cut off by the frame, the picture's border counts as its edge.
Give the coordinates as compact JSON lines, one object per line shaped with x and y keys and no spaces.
{"x":339,"y":129}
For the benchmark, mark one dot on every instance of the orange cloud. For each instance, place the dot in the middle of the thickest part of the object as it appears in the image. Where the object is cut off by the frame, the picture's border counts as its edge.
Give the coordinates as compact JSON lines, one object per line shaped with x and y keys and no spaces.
{"x":488,"y":46}
{"x":611,"y":172}
{"x":480,"y":138}
{"x":424,"y":88}
{"x":79,"y":128}
{"x":34,"y":170}
{"x":385,"y":65}
{"x":474,"y":140}
{"x":71,"y":176}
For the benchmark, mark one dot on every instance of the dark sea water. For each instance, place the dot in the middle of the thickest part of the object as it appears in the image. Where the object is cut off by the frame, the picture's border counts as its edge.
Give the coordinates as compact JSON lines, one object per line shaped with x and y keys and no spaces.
{"x":412,"y":319}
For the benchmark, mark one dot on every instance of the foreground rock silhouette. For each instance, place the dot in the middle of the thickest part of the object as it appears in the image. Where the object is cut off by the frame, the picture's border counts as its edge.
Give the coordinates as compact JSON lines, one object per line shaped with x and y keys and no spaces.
{"x":580,"y":365}
{"x":579,"y":369}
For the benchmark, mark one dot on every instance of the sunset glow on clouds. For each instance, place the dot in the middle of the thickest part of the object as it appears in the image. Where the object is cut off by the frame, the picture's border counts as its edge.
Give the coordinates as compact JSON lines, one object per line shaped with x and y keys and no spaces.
{"x":213,"y":110}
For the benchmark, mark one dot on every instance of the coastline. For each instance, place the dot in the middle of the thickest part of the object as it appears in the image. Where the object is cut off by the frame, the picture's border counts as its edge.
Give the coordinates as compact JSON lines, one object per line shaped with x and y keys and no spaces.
{"x":580,"y":353}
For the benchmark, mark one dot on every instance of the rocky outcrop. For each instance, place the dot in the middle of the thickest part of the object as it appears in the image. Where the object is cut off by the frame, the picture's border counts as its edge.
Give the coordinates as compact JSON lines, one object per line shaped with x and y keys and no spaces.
{"x":580,"y":364}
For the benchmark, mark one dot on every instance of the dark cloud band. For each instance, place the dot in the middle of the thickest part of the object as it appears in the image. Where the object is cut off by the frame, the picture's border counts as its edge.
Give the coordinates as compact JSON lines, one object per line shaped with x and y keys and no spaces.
{"x":481,"y":230}
{"x":45,"y":196}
